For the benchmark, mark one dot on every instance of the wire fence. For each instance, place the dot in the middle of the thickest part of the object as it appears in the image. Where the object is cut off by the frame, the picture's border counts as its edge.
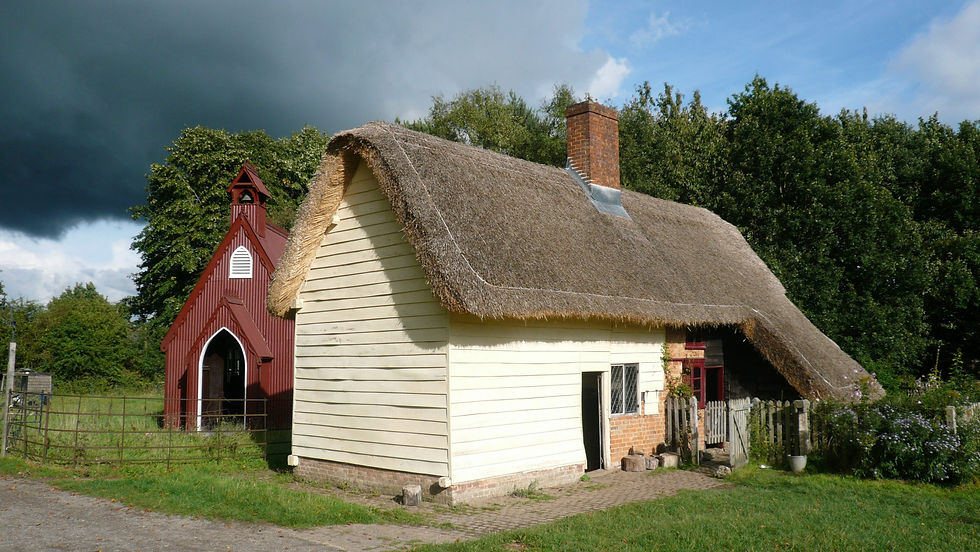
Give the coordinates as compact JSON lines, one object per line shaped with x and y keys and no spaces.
{"x":92,"y":429}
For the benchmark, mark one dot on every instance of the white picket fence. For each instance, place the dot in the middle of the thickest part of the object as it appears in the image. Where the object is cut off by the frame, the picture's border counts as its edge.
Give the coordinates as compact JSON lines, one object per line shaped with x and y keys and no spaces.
{"x":724,"y":422}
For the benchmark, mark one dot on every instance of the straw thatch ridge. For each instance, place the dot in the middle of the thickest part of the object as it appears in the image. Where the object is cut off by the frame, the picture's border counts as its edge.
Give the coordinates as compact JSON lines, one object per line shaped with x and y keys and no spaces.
{"x":502,"y":238}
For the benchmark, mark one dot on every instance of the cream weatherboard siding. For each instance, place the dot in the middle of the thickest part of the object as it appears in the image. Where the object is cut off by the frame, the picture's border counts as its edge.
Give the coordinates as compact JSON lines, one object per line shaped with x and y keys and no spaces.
{"x":515,"y":390}
{"x":370,"y":377}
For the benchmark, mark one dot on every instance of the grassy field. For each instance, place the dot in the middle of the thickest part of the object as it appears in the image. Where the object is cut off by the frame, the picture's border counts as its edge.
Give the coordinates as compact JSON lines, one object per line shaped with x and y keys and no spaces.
{"x":767,"y":510}
{"x":125,"y":427}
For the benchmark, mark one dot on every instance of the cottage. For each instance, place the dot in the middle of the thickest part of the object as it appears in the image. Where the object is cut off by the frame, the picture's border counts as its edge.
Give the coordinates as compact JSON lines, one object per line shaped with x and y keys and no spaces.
{"x":224,"y":346}
{"x":473,"y":322}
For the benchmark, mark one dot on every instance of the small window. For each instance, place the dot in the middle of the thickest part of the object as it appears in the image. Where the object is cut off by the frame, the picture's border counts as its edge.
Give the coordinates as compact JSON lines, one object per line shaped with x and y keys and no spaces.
{"x":241,"y":263}
{"x":696,"y":338}
{"x":625,"y":399}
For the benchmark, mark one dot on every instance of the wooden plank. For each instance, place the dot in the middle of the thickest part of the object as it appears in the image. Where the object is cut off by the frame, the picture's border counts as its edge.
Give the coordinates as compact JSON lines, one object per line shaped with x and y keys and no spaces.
{"x":494,"y":357}
{"x":421,"y":360}
{"x":386,"y":386}
{"x":484,"y":471}
{"x":382,"y":436}
{"x":435,"y":337}
{"x":307,"y":401}
{"x":376,"y":449}
{"x":505,"y":370}
{"x":522,"y":379}
{"x":421,"y":400}
{"x":375,"y":349}
{"x":518,"y":457}
{"x":373,"y":374}
{"x":365,"y":279}
{"x":380,"y":324}
{"x":427,"y":308}
{"x":543,"y":393}
{"x":406,"y":298}
{"x":503,"y":430}
{"x":373,"y":461}
{"x":491,"y":419}
{"x":371,"y":290}
{"x":519,"y":407}
{"x":558,"y":439}
{"x":360,"y":239}
{"x":391,"y":260}
{"x":370,"y":422}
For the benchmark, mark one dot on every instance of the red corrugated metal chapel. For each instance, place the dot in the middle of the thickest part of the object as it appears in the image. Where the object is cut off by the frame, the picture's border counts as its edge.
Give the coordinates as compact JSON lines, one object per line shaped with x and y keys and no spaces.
{"x":224,"y":345}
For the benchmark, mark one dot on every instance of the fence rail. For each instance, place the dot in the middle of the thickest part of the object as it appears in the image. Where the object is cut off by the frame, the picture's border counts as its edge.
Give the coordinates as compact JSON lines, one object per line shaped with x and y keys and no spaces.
{"x":85,"y":429}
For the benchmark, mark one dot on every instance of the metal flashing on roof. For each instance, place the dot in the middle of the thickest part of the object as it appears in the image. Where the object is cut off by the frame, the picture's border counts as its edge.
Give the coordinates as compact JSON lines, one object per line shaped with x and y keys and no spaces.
{"x":606,"y":200}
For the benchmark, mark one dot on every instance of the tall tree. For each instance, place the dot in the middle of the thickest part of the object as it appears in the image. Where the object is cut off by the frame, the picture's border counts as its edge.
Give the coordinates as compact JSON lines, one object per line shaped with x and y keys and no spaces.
{"x":186,"y":212}
{"x":83,"y":338}
{"x":671,"y":150}
{"x":503,"y":122}
{"x":811,"y":203}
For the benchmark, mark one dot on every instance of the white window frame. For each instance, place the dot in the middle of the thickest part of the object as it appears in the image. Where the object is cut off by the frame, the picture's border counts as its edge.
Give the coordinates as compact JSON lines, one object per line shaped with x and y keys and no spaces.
{"x":240,"y":264}
{"x":624,"y":368}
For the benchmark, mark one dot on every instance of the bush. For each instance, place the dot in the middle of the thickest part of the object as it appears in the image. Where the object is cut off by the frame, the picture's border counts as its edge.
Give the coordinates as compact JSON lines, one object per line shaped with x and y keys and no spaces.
{"x":897,"y":441}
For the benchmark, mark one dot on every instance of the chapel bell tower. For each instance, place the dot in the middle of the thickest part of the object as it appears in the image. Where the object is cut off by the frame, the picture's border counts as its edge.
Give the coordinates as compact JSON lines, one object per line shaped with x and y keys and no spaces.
{"x":248,"y":196}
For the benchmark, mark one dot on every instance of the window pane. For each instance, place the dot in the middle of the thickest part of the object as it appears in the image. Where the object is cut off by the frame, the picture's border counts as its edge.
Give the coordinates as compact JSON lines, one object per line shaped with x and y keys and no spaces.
{"x":629,"y":392}
{"x":616,"y":389}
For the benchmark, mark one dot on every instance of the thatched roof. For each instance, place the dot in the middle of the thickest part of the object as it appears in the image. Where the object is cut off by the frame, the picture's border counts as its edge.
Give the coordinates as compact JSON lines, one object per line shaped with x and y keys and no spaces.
{"x":502,"y":238}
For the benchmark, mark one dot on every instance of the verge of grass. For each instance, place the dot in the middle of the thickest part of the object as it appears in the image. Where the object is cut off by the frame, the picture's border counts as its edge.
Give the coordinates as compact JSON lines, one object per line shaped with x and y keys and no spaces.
{"x":230,"y":491}
{"x":767,"y":509}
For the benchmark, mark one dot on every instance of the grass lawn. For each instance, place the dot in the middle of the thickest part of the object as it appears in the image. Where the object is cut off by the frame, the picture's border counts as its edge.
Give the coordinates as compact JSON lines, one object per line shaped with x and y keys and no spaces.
{"x":244,"y":491}
{"x":767,"y":510}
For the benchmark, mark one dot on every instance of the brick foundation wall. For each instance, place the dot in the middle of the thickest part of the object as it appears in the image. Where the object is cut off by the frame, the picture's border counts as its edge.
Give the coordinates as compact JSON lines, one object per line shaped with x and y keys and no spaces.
{"x":499,"y":486}
{"x":641,"y":432}
{"x":369,"y":479}
{"x":391,"y":482}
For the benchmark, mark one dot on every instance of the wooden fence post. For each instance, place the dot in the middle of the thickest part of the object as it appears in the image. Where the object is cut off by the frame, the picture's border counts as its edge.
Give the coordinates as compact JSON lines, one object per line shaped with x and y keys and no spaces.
{"x":694,"y":430}
{"x":803,"y":426}
{"x":951,"y":418}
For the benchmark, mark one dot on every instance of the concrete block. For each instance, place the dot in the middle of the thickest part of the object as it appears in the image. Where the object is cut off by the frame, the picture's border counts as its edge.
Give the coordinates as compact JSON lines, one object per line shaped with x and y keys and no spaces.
{"x":652,"y":462}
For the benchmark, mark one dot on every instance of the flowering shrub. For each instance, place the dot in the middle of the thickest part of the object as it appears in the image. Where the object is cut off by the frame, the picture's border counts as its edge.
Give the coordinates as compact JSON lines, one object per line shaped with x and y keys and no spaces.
{"x":885,"y":440}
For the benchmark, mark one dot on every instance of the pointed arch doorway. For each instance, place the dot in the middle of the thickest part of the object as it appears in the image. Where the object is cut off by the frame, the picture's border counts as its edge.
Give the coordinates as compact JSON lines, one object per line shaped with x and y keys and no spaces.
{"x":222,"y":379}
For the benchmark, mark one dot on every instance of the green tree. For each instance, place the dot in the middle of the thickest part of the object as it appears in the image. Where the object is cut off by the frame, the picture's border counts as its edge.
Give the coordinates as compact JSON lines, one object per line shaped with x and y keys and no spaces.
{"x":82,"y":338}
{"x":671,"y":150}
{"x":807,"y":194}
{"x":503,"y":122}
{"x":186,"y":212}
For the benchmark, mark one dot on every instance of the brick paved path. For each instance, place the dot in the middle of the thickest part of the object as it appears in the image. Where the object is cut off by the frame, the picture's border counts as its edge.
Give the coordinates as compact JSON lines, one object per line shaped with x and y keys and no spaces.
{"x":605,"y":490}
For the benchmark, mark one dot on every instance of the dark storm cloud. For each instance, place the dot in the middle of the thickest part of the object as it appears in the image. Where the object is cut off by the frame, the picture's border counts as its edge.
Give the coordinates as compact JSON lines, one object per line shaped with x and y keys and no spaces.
{"x":93,"y":91}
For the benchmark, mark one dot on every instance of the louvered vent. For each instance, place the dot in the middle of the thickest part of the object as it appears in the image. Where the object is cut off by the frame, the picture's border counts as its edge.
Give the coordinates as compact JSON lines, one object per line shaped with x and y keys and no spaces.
{"x":241,"y":263}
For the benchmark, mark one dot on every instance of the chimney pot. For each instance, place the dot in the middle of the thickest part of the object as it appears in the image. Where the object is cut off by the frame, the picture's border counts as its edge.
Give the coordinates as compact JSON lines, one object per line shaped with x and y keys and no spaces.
{"x":593,"y":142}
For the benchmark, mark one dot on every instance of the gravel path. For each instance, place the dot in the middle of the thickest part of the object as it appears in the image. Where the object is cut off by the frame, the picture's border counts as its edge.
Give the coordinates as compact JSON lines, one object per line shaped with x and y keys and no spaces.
{"x":37,"y":517}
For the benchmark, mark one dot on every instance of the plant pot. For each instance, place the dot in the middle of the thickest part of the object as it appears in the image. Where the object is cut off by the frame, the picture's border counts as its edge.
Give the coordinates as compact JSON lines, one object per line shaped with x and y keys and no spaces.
{"x":796,"y":463}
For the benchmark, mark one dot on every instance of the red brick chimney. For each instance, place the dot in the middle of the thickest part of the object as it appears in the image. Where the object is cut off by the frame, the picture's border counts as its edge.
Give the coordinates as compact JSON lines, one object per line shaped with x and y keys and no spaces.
{"x":593,"y":142}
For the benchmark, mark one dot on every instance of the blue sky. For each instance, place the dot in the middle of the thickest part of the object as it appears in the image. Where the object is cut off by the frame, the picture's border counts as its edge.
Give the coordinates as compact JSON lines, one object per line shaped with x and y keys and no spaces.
{"x":95,"y":90}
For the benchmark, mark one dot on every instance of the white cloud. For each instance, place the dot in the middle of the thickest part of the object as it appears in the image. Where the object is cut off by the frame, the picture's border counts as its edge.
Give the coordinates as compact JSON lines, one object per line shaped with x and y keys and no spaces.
{"x":658,"y":27}
{"x":98,"y":252}
{"x":944,"y":62}
{"x":609,"y":78}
